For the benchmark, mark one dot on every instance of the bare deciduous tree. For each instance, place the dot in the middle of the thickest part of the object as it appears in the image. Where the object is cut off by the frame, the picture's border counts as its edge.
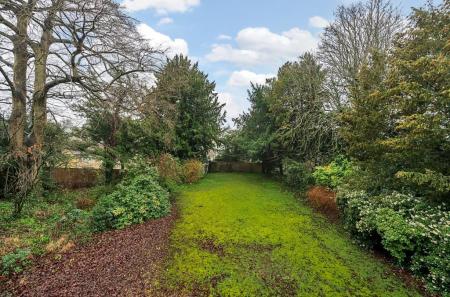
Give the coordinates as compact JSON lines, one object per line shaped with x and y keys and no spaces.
{"x":347,"y":42}
{"x":58,"y":49}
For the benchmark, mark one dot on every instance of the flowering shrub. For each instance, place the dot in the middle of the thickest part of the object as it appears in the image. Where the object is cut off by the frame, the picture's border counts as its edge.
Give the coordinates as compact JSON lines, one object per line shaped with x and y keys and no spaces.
{"x":333,"y":174}
{"x":136,"y":199}
{"x":414,"y":232}
{"x":193,"y":171}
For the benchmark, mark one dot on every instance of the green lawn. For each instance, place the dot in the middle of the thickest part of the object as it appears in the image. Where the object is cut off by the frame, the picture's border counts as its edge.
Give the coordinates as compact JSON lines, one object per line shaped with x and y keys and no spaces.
{"x":242,"y":235}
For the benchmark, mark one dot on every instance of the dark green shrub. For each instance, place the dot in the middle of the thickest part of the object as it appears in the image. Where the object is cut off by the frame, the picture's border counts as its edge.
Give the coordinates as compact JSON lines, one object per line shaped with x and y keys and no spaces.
{"x":193,"y":171}
{"x":333,"y":174}
{"x":296,"y":175}
{"x":136,"y":199}
{"x":15,"y":262}
{"x":433,"y":263}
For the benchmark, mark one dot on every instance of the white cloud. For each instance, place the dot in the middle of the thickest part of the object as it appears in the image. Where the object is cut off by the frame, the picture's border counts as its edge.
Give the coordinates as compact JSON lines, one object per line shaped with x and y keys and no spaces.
{"x":243,"y":78}
{"x":165,"y":21}
{"x":318,"y":22}
{"x":224,"y":37}
{"x":346,"y":2}
{"x":261,"y":46}
{"x":159,"y":40}
{"x":225,"y":52}
{"x":232,"y":107}
{"x":161,"y":6}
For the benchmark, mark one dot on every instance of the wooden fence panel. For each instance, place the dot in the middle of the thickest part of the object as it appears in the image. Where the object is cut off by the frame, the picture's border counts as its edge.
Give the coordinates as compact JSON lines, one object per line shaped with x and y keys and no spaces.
{"x":221,"y":166}
{"x":74,"y":178}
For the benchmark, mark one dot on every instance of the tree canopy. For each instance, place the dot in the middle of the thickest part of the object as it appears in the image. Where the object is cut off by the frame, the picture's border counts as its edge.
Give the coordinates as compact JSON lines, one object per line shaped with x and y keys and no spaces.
{"x":199,"y":115}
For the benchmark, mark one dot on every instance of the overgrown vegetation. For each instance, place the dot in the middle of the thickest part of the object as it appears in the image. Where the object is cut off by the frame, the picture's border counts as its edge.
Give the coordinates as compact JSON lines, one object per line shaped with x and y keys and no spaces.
{"x":297,"y":175}
{"x":170,"y":171}
{"x":15,"y":262}
{"x":55,"y":223}
{"x":49,"y":224}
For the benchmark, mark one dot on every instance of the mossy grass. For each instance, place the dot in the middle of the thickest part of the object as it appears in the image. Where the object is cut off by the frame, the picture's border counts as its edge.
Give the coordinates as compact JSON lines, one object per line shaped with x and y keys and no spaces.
{"x":244,"y":235}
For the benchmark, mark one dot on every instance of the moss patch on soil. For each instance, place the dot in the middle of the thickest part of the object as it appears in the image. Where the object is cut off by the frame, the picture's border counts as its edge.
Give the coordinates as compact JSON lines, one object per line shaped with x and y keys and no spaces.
{"x":243,"y":235}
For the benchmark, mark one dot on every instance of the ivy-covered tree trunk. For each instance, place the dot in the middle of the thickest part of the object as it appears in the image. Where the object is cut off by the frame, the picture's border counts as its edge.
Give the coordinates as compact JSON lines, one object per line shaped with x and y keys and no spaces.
{"x":108,"y":167}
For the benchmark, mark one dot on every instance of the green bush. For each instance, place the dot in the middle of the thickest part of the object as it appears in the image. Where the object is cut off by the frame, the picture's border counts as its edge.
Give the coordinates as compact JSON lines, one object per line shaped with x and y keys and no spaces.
{"x":15,"y":262}
{"x":136,"y":199}
{"x":170,"y":171}
{"x":140,"y":166}
{"x":333,"y":174}
{"x":193,"y":171}
{"x":296,"y":175}
{"x":414,"y":232}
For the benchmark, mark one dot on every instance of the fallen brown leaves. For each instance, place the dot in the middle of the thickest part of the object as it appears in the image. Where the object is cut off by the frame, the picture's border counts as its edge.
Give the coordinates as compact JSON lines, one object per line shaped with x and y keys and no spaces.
{"x":115,"y":263}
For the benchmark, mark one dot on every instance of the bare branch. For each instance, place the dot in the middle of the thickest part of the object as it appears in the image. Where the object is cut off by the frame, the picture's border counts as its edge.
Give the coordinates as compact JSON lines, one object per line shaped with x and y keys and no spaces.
{"x":8,"y":24}
{"x":8,"y":80}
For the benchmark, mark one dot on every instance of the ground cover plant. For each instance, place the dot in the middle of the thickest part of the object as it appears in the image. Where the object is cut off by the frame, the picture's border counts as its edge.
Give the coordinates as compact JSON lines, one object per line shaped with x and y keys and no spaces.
{"x":265,"y":243}
{"x":48,"y":224}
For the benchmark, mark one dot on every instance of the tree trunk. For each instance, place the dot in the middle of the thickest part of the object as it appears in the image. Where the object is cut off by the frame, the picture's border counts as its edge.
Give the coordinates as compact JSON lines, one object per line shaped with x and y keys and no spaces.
{"x":39,"y":109}
{"x":110,"y":151}
{"x":108,"y":165}
{"x":39,"y":100}
{"x":17,"y":121}
{"x":39,"y":118}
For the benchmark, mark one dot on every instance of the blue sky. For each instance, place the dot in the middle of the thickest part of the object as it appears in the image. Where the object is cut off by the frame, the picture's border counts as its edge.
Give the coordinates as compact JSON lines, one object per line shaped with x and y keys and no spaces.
{"x":237,"y":41}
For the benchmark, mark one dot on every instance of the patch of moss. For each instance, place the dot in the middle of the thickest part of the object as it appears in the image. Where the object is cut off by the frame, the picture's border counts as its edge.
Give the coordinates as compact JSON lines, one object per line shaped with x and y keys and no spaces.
{"x":242,"y":235}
